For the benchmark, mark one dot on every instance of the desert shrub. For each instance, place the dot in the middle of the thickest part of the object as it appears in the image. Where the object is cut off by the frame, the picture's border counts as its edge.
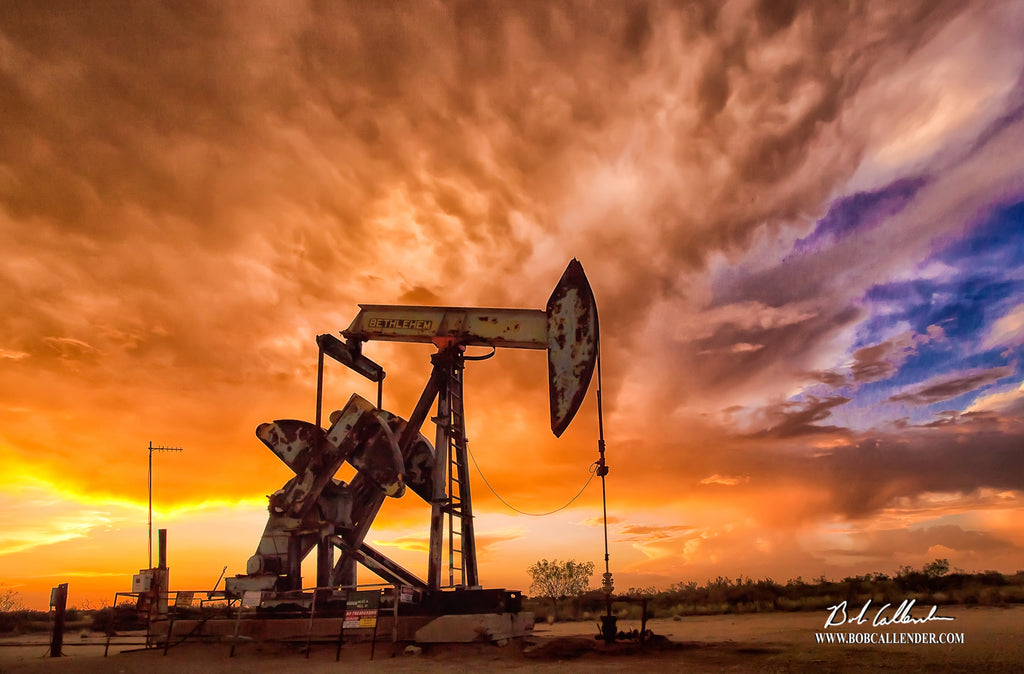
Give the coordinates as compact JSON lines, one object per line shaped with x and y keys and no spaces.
{"x":23,"y":621}
{"x":557,"y":579}
{"x":117,"y":619}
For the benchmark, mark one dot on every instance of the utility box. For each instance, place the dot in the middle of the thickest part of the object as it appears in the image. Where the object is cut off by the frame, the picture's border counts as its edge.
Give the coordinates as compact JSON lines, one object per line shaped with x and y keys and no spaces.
{"x":142,"y":581}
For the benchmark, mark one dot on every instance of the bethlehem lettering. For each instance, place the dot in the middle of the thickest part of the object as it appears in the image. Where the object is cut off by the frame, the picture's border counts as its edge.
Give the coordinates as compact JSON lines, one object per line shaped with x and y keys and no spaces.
{"x":901,"y":616}
{"x":399,"y":324}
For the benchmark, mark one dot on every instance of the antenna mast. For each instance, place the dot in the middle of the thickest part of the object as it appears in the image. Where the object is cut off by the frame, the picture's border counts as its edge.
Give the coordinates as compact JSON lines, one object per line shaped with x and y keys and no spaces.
{"x":151,"y":450}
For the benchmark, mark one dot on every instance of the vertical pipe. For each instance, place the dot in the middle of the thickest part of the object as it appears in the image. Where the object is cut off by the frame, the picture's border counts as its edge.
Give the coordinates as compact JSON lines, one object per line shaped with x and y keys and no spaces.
{"x":602,"y":468}
{"x":324,"y":563}
{"x":394,"y":616}
{"x":161,"y":547}
{"x":319,"y":384}
{"x":608,"y":620}
{"x":149,"y":482}
{"x":161,"y":587}
{"x":309,"y":628}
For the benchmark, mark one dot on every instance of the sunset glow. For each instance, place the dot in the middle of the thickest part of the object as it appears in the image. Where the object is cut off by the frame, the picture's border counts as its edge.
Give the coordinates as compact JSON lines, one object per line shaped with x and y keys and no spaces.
{"x":804,"y":228}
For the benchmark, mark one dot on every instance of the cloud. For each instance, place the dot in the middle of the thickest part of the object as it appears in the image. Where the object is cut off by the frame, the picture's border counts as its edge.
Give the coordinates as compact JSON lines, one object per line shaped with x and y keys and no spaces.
{"x":414,"y":543}
{"x":793,"y":419}
{"x":635,"y":532}
{"x":600,"y":521}
{"x":860,"y":210}
{"x":725,"y":480}
{"x":38,"y":515}
{"x":829,"y":378}
{"x":1007,"y":330}
{"x":486,"y":541}
{"x":880,"y":361}
{"x":657,"y":541}
{"x":947,"y":387}
{"x":866,"y":477}
{"x":891,"y":543}
{"x":1000,"y":401}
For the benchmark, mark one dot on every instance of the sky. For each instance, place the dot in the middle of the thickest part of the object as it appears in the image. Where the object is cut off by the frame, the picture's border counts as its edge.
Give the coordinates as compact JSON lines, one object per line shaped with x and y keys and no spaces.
{"x":803,"y":224}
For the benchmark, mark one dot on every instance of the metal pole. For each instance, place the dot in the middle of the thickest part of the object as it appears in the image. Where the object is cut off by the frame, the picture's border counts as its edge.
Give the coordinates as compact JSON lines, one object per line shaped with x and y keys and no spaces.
{"x":149,"y":482}
{"x":319,"y":385}
{"x":59,"y":602}
{"x":608,"y":620}
{"x":602,"y":469}
{"x":440,"y":501}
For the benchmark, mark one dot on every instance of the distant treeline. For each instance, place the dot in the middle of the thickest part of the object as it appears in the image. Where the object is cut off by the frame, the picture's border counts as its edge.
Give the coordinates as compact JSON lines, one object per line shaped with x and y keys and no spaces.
{"x":931,"y":584}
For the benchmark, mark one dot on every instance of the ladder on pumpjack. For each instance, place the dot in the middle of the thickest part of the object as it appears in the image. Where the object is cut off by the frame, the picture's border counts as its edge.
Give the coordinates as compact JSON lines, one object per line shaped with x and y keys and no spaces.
{"x":459,"y":506}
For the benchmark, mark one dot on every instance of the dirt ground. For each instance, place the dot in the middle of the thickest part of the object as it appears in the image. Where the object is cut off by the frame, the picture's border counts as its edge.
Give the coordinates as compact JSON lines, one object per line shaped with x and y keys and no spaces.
{"x":993,"y":641}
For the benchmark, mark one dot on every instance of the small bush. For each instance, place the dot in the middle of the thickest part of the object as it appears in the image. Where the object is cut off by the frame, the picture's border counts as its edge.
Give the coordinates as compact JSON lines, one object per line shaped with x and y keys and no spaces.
{"x":117,"y":619}
{"x":23,"y":621}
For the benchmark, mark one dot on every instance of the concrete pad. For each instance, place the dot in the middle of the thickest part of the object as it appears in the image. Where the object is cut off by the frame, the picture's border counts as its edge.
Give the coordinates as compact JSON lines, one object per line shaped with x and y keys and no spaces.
{"x":467,"y":628}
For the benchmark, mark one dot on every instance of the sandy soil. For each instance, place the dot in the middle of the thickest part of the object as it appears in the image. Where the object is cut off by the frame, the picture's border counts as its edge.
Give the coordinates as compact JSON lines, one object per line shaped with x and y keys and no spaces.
{"x":993,"y":642}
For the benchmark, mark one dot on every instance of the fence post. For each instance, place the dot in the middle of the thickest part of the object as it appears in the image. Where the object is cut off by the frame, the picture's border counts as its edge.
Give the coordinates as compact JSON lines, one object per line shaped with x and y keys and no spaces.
{"x":59,"y":602}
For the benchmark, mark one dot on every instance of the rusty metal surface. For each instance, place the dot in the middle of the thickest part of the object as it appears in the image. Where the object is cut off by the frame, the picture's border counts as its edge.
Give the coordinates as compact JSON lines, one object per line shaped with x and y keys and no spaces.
{"x":509,"y":328}
{"x":418,"y":457}
{"x":439,"y":494}
{"x":300,"y":445}
{"x":367,"y":500}
{"x":376,"y":454}
{"x":349,"y":356}
{"x":292,"y":441}
{"x":378,"y":563}
{"x":572,"y":344}
{"x":313,"y":506}
{"x":358,"y":434}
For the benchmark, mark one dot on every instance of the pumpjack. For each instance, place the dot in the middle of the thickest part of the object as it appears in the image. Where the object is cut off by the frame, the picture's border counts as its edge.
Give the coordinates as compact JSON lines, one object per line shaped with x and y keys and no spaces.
{"x":390,"y":454}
